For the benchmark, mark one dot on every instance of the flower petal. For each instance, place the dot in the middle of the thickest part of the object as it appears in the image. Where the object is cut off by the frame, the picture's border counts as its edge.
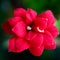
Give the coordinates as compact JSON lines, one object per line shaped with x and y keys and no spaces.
{"x":37,"y":51}
{"x":41,"y":22}
{"x":49,"y":43}
{"x":28,"y":19}
{"x":31,"y":35}
{"x":6,"y":27}
{"x":37,"y":40}
{"x":34,"y":39}
{"x":20,"y":29}
{"x":32,"y":13}
{"x":19,"y":12}
{"x":11,"y":44}
{"x":49,"y":15}
{"x":17,"y":45}
{"x":13,"y":21}
{"x":53,"y":30}
{"x":30,"y":16}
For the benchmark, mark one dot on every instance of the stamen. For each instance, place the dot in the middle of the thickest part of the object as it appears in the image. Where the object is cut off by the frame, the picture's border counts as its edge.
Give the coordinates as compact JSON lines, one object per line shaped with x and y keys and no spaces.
{"x":29,"y":28}
{"x":40,"y":30}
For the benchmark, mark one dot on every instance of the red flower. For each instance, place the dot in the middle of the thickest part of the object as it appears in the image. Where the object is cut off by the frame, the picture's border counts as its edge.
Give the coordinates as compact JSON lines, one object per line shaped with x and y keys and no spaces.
{"x":29,"y":30}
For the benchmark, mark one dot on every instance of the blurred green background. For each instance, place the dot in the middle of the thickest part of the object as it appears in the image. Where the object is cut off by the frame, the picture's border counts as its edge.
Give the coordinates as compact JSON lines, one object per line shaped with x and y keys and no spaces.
{"x":6,"y":11}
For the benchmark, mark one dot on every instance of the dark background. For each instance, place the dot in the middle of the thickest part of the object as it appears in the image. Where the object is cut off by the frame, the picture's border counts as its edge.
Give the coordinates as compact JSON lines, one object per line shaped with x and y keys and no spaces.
{"x":6,"y":11}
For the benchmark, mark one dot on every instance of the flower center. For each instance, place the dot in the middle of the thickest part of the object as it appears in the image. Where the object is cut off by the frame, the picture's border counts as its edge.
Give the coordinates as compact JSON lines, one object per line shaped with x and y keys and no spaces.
{"x":29,"y":28}
{"x":40,"y":30}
